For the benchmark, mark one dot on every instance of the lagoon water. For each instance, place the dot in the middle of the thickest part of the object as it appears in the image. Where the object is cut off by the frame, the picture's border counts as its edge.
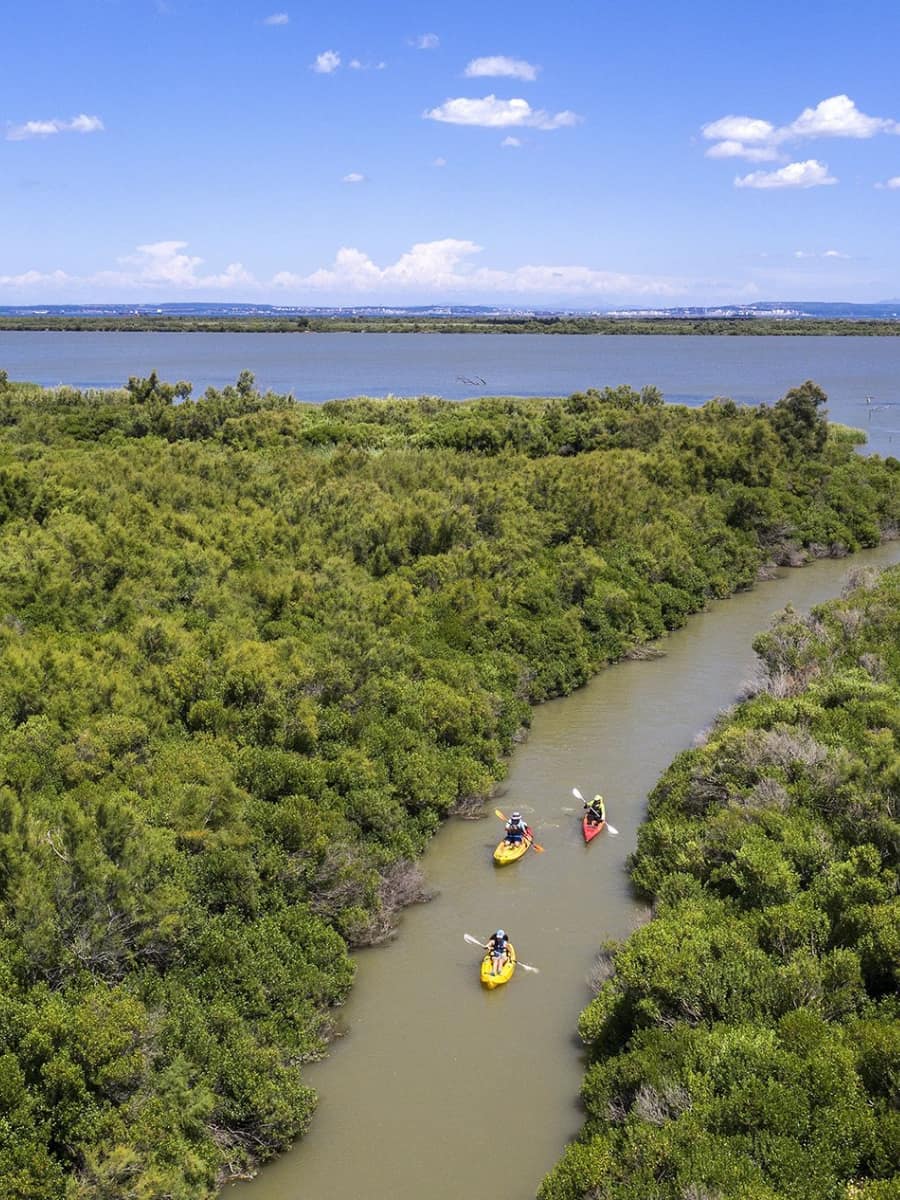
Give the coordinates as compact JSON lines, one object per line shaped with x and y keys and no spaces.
{"x":316,"y":367}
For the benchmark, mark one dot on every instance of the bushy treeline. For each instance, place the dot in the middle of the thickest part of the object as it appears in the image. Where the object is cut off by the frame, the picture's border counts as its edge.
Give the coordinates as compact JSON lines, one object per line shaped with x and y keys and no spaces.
{"x":746,"y":1045}
{"x":703,"y":326}
{"x":253,"y":653}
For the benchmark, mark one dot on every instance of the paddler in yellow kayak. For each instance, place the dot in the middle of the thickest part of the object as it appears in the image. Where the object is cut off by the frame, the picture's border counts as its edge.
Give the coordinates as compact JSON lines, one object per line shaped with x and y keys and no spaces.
{"x":497,"y":945}
{"x":516,"y":829}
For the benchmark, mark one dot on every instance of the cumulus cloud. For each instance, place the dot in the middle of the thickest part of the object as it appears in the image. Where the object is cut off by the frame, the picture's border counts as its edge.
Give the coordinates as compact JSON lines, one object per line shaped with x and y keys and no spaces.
{"x":166,"y":264}
{"x":839,"y":117}
{"x":326,"y":62}
{"x":795,"y":175}
{"x":354,"y":177}
{"x":758,"y":140}
{"x":501,"y":67}
{"x":31,"y":129}
{"x":511,"y":141}
{"x":892,"y":184}
{"x":439,"y":162}
{"x":426,"y":41}
{"x":491,"y":113}
{"x":279,"y":18}
{"x":445,"y":266}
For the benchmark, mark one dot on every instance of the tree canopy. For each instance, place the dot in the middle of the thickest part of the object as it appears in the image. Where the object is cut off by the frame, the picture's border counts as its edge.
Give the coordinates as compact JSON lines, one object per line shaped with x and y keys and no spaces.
{"x":255,"y":652}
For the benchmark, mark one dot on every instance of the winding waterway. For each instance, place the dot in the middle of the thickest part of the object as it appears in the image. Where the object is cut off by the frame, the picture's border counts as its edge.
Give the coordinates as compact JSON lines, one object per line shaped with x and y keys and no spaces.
{"x":443,"y":1090}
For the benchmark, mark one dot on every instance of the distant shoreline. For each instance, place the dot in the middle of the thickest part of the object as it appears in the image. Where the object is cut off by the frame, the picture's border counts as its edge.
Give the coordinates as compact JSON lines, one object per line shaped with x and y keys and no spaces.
{"x":597,"y":326}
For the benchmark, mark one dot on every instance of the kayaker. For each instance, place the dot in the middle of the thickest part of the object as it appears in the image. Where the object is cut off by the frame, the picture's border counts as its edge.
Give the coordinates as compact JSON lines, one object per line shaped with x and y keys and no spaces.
{"x":515,"y":829}
{"x":595,"y":811}
{"x":497,"y":945}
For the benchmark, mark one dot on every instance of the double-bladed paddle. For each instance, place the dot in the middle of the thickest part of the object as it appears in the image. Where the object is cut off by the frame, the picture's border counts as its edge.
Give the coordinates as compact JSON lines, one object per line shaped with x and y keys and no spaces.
{"x":578,"y":796}
{"x":534,"y":845}
{"x":473,"y":941}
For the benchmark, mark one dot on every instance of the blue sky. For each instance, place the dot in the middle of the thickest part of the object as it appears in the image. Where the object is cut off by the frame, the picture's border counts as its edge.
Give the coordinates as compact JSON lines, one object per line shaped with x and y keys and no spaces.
{"x":584,"y":154}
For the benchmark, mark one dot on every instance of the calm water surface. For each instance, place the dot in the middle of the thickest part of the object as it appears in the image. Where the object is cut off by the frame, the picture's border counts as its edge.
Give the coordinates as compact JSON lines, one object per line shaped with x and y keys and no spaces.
{"x":318,"y":367}
{"x":436,"y":1073}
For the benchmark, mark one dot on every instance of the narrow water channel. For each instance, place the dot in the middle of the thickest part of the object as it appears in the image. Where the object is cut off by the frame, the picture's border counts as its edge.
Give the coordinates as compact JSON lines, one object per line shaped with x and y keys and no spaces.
{"x":442,"y":1090}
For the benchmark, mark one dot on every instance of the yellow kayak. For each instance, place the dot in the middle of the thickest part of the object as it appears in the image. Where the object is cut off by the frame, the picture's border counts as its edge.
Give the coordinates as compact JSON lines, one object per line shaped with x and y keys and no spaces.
{"x":504,"y":975}
{"x":506,"y":854}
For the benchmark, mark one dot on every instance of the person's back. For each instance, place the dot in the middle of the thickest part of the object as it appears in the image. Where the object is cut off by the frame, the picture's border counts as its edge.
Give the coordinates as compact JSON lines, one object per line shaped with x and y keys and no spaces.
{"x":515,"y":828}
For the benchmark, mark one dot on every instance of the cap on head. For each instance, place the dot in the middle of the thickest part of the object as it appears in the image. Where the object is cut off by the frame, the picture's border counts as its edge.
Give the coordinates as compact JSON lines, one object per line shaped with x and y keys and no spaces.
{"x":500,"y":933}
{"x":517,"y":816}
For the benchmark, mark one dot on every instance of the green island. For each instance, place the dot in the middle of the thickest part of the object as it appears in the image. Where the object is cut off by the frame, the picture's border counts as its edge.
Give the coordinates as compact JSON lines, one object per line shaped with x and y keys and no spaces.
{"x":745,"y":1042}
{"x":704,"y":326}
{"x":255,"y":651}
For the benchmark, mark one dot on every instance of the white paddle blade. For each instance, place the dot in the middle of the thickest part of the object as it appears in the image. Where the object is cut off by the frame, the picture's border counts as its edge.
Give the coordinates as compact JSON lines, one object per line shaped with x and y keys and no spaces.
{"x":612,"y":829}
{"x":577,"y":795}
{"x":533,"y":970}
{"x":473,"y":941}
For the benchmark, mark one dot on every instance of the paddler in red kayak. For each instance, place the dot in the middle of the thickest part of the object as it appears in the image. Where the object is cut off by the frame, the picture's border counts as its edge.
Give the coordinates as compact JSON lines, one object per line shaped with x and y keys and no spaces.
{"x":594,"y":811}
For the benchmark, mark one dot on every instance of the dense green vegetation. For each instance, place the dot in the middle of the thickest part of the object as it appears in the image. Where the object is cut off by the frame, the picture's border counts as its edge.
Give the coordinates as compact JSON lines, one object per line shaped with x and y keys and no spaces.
{"x":254,"y":651}
{"x":746,"y":1044}
{"x":710,"y":326}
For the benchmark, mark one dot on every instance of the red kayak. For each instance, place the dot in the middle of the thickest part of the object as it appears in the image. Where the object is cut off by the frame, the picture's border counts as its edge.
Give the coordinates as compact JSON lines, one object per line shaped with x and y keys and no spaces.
{"x":590,"y":831}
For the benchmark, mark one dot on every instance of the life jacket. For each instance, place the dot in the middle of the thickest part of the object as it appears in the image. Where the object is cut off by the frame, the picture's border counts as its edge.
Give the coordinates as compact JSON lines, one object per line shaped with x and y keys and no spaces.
{"x":499,"y":946}
{"x":515,"y":828}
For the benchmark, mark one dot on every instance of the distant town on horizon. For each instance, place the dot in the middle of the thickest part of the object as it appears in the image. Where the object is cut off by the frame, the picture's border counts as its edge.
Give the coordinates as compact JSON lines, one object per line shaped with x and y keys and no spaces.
{"x":885,"y":310}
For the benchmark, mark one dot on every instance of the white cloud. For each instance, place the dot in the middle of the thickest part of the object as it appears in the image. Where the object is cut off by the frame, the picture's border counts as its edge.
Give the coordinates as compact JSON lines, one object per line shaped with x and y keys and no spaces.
{"x":326,"y":62}
{"x":838,"y":117}
{"x":279,"y":18}
{"x":153,"y":265}
{"x":165,"y":264}
{"x":428,"y":269}
{"x":426,"y":41}
{"x":739,"y":129}
{"x":795,"y":175}
{"x":502,"y":67}
{"x":729,"y":149}
{"x":892,"y":184}
{"x":354,"y":177}
{"x":31,"y":278}
{"x":491,"y":113}
{"x":511,"y":141}
{"x":758,"y":140}
{"x":444,"y":266}
{"x":30,"y":129}
{"x":439,"y":162}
